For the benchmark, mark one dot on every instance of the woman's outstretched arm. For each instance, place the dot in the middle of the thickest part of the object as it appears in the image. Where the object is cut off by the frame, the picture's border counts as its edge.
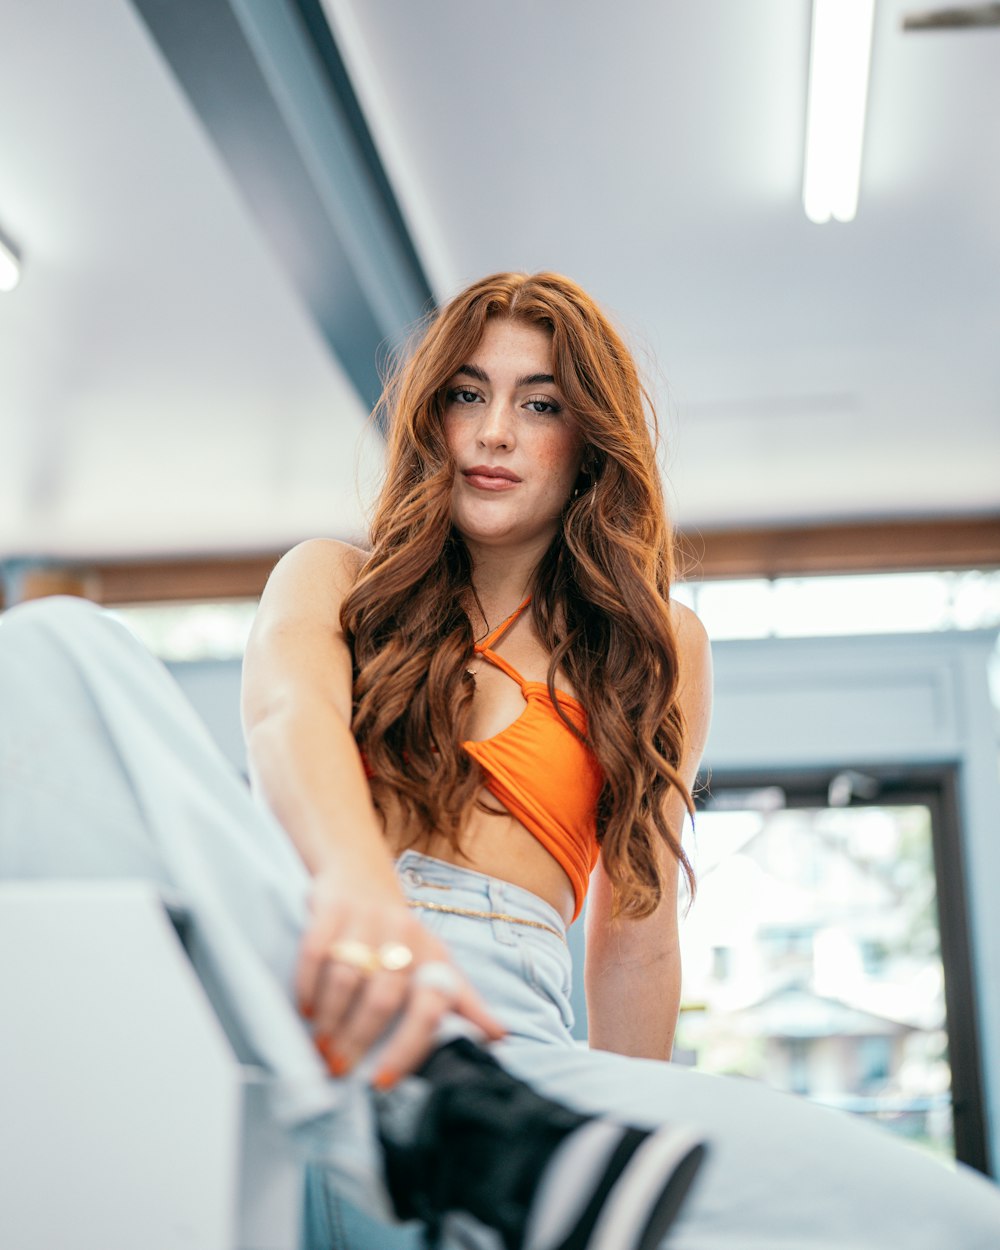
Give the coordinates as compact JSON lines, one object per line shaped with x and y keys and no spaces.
{"x":633,"y":967}
{"x":296,"y":707}
{"x":304,"y":763}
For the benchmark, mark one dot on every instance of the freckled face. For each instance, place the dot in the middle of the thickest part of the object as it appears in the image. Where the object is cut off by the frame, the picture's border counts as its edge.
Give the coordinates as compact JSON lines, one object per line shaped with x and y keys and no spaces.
{"x":516,"y":448}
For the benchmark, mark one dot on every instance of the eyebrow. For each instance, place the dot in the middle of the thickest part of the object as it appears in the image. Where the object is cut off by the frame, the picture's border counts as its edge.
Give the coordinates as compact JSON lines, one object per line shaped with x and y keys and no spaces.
{"x":529,"y":379}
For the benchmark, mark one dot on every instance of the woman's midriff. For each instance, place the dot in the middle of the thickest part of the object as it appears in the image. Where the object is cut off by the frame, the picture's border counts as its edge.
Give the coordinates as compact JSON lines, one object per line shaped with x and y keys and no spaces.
{"x":499,"y":846}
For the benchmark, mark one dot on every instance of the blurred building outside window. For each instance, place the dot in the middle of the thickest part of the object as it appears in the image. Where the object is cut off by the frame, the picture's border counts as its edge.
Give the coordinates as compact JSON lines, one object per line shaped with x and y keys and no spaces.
{"x":812,"y":961}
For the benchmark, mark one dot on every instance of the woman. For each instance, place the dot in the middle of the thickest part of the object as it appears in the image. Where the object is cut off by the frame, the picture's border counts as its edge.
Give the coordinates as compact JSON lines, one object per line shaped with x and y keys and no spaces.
{"x":458,"y":732}
{"x":525,"y":512}
{"x":522,"y":509}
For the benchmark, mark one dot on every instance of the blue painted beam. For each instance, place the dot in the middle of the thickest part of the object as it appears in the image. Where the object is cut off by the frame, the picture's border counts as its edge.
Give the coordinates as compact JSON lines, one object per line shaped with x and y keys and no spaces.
{"x":267,"y":81}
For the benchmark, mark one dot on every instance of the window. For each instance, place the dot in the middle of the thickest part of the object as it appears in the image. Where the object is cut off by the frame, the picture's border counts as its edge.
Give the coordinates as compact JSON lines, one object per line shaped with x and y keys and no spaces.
{"x":813,"y":955}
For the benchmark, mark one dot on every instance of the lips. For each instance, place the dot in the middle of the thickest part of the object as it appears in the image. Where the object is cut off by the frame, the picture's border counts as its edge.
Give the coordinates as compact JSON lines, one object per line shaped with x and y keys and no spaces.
{"x":486,"y":470}
{"x":490,"y":477}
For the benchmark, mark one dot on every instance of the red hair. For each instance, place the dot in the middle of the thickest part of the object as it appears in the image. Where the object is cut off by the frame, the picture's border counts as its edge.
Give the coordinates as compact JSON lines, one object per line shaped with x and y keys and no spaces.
{"x":600,"y":596}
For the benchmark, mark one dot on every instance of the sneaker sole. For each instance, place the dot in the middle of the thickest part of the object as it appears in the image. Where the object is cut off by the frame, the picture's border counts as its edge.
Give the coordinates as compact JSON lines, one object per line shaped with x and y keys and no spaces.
{"x":641,"y":1207}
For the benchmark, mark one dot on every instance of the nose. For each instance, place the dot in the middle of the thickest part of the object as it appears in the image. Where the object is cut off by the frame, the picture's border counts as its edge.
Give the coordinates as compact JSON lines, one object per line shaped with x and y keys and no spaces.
{"x":496,"y":429}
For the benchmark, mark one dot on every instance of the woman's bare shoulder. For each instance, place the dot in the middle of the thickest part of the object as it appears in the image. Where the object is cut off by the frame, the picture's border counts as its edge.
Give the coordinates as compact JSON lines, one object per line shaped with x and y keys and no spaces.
{"x":318,"y":565}
{"x":296,"y":647}
{"x":694,"y":663}
{"x":689,"y":632}
{"x":328,"y":555}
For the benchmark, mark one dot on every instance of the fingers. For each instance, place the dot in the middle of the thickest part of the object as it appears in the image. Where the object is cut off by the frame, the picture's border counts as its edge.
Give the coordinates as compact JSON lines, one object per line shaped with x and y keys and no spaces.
{"x":359,"y":989}
{"x":313,"y":960}
{"x":417,"y":1033}
{"x":413,"y":1039}
{"x":378,"y":1002}
{"x":354,"y":1010}
{"x":339,"y":987}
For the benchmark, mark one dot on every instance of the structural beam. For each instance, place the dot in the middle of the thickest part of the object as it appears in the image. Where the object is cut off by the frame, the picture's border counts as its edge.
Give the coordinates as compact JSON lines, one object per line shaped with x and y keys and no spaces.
{"x":270,"y":88}
{"x":814,"y":550}
{"x":882,"y":547}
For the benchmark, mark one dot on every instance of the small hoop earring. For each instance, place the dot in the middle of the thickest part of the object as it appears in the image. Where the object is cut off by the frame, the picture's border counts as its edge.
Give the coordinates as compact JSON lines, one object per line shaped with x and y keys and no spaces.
{"x":588,"y":474}
{"x":590,"y":487}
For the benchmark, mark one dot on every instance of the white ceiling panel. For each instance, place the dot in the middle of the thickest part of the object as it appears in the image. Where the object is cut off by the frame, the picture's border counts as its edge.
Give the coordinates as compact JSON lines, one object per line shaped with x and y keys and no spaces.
{"x":163,"y":389}
{"x":653,"y":151}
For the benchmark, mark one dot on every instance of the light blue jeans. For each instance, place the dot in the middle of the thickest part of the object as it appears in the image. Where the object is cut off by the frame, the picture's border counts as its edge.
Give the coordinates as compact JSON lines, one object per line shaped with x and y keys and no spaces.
{"x":106,"y":772}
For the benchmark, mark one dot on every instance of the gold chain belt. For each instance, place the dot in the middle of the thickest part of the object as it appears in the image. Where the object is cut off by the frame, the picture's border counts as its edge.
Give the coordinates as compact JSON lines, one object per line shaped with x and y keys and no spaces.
{"x":486,"y":915}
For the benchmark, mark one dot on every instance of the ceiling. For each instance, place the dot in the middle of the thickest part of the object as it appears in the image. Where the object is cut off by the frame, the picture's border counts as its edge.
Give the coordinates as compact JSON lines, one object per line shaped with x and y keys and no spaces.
{"x":169,"y":379}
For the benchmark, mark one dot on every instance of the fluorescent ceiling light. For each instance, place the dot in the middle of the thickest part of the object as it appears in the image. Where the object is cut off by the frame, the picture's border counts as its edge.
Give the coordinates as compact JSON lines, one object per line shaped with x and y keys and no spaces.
{"x":835,"y":124}
{"x":10,"y":267}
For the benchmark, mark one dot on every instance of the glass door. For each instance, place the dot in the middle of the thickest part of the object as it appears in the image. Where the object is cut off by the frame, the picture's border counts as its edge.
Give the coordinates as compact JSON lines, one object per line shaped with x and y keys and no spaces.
{"x":826,"y":951}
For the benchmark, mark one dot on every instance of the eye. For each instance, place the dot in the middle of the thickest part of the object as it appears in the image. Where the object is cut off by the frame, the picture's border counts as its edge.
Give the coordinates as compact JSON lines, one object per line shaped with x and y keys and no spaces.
{"x":462,"y":395}
{"x":544,"y":407}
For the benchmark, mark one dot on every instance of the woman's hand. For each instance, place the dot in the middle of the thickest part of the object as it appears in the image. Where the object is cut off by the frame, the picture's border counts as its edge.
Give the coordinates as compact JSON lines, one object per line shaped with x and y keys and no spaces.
{"x":351,"y":1006}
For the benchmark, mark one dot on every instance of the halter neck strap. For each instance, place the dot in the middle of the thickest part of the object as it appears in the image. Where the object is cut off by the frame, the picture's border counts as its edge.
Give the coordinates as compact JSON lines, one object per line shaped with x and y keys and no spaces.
{"x":502,"y":628}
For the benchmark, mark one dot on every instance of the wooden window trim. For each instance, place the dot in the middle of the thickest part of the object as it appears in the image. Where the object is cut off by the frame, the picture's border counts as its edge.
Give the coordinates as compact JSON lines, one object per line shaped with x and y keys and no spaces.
{"x":794,"y":551}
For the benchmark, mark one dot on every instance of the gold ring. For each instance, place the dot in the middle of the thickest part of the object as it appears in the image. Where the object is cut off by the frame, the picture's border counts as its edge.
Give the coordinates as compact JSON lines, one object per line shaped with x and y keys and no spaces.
{"x":355,"y":954}
{"x":394,"y":956}
{"x":390,"y":956}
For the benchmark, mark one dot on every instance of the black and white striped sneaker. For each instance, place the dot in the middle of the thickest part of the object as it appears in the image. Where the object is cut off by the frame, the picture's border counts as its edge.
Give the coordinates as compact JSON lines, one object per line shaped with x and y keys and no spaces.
{"x":611,"y":1187}
{"x":464,"y":1135}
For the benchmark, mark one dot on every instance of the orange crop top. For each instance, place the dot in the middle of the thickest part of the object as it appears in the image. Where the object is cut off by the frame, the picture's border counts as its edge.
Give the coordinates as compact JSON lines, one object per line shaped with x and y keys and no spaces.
{"x":542,"y":774}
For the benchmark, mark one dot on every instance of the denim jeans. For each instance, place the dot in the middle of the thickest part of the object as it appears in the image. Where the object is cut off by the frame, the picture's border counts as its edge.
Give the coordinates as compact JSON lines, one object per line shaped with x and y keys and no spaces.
{"x":106,"y":772}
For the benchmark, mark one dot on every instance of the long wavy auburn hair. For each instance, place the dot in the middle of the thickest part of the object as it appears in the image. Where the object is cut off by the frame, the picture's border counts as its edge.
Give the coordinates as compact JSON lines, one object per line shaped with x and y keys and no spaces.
{"x":599,"y":595}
